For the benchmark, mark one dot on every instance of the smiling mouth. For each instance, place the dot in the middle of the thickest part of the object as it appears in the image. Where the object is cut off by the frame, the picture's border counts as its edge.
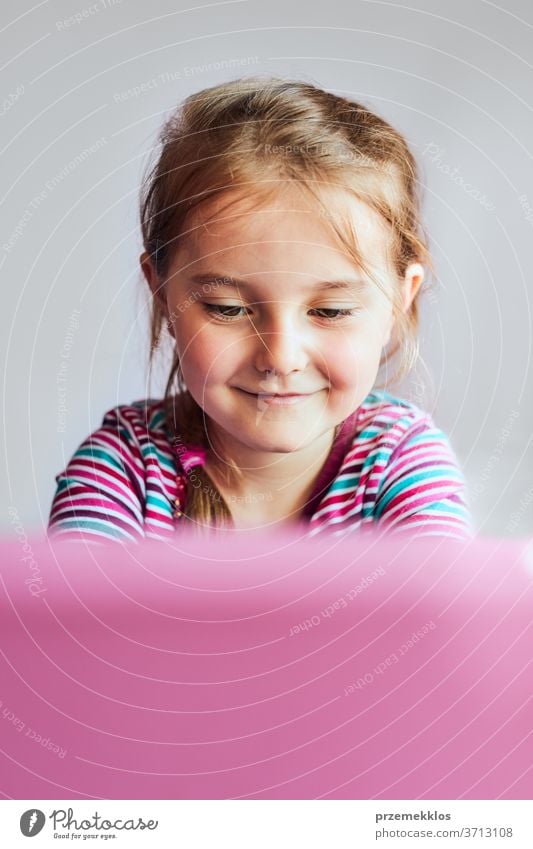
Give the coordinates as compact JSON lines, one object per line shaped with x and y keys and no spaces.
{"x":276,"y":399}
{"x":277,"y":394}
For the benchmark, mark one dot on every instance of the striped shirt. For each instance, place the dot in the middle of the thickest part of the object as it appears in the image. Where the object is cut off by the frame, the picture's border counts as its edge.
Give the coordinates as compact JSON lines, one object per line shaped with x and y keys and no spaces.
{"x":390,"y":467}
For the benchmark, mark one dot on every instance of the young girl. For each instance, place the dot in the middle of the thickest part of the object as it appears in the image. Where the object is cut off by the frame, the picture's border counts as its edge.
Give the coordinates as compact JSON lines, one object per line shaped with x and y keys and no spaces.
{"x":284,"y":255}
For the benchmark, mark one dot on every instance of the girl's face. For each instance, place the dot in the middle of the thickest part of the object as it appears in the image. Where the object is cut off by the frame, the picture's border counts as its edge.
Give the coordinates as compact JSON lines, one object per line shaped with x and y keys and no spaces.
{"x":265,"y":302}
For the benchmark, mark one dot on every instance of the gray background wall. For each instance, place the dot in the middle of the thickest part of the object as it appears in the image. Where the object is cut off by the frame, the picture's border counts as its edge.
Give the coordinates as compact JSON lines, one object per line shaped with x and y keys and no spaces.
{"x":82,"y":100}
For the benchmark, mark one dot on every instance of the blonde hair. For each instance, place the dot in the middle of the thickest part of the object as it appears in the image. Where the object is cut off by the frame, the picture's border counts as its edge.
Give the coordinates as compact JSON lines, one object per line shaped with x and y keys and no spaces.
{"x":258,"y":133}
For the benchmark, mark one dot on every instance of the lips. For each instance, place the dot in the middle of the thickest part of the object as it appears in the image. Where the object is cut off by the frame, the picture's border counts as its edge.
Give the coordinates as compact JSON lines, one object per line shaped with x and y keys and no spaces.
{"x":277,"y":399}
{"x":277,"y":394}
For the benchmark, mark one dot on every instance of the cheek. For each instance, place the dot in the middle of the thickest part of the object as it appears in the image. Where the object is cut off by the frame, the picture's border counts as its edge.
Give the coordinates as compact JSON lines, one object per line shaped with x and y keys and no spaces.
{"x":353,"y":357}
{"x":205,"y":356}
{"x":337,"y":368}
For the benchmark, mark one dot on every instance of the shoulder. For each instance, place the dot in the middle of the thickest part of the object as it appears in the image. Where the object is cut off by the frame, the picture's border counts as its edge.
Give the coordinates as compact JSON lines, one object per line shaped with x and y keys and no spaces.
{"x":120,"y":481}
{"x":137,"y":425}
{"x":147,"y":414}
{"x":138,"y":436}
{"x":389,"y":429}
{"x":411,"y":471}
{"x":387,"y":418}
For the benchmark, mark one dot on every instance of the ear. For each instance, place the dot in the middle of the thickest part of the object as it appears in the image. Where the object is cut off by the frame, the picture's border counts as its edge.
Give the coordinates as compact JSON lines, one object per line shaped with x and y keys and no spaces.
{"x":157,"y":289}
{"x":413,"y":279}
{"x":151,"y":275}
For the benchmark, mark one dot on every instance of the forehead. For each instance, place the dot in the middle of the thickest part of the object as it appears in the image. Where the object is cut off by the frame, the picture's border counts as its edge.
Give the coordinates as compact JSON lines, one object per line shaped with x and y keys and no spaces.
{"x":285,"y":226}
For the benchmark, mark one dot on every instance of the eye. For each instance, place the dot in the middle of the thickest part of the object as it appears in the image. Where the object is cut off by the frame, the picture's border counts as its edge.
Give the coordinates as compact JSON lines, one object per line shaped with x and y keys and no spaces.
{"x":326,"y":313}
{"x":231,"y":313}
{"x":221,"y":311}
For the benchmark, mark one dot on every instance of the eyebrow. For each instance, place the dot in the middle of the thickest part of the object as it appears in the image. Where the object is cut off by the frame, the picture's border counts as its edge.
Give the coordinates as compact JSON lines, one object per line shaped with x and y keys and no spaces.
{"x":347,"y":284}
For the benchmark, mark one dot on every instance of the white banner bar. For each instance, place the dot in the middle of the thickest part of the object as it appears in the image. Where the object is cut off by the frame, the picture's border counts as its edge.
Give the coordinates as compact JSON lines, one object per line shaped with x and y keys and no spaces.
{"x":262,"y":824}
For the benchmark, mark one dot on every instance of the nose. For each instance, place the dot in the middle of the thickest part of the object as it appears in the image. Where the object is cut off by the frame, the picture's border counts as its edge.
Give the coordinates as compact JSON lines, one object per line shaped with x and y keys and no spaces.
{"x":281,"y":346}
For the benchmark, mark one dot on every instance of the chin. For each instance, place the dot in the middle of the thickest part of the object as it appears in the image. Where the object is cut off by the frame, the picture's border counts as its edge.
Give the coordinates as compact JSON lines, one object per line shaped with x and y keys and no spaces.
{"x":280,"y":448}
{"x":272,"y":445}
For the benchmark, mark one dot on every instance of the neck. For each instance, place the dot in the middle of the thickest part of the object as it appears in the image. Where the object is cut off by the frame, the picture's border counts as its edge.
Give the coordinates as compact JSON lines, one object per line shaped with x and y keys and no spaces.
{"x":274,"y":476}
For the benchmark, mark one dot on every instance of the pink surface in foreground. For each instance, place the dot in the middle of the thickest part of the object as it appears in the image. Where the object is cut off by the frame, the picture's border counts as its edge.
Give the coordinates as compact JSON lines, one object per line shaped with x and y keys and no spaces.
{"x":275,"y":668}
